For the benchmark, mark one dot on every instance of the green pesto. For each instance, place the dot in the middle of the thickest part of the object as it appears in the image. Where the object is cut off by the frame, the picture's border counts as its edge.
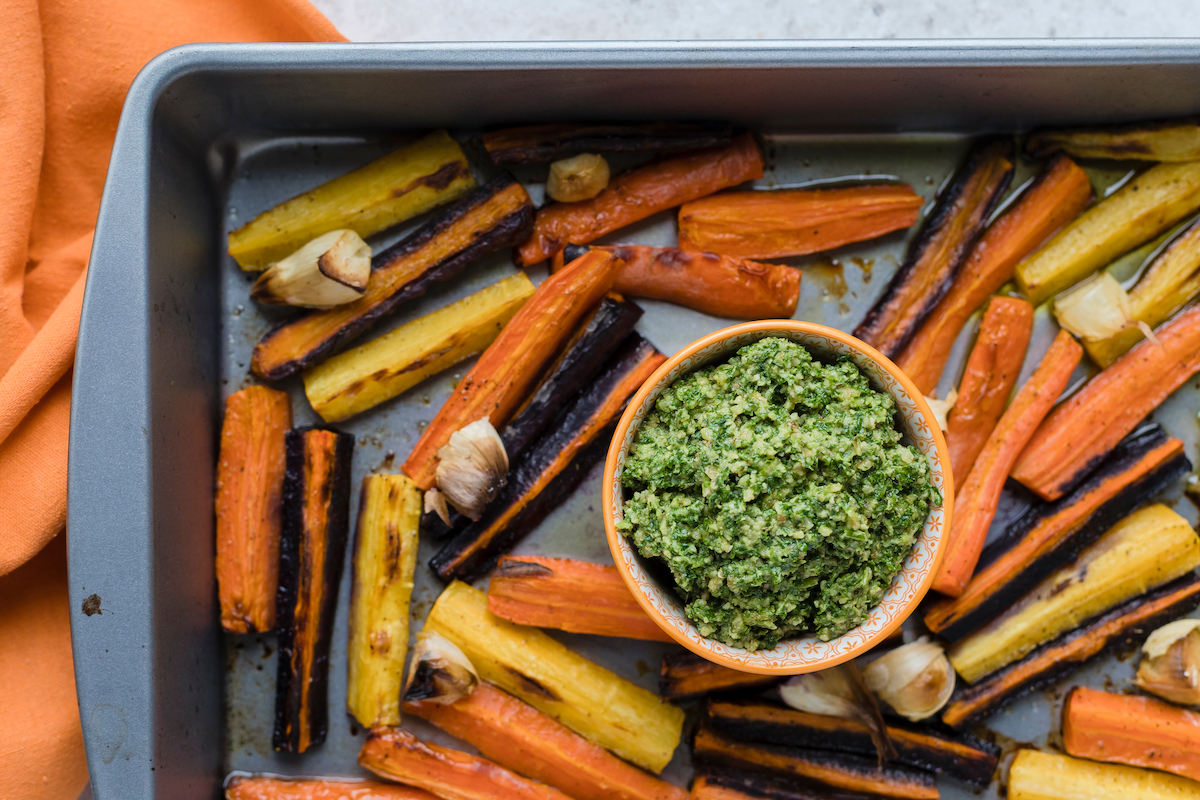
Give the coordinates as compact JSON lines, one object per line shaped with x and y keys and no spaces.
{"x":776,"y":490}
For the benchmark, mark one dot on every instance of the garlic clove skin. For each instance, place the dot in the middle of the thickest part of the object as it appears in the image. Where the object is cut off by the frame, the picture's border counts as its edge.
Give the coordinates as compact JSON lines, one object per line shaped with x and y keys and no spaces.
{"x":331,"y":270}
{"x":435,"y":501}
{"x":840,"y":692}
{"x":941,"y":408}
{"x":579,"y":178}
{"x":439,"y":673}
{"x":472,"y":468}
{"x":915,"y":679}
{"x":1171,"y":668}
{"x":1098,"y":308}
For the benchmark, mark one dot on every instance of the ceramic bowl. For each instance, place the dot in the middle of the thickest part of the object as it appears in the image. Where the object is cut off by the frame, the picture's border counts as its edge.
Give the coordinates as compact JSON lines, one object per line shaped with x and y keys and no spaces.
{"x":795,"y":655}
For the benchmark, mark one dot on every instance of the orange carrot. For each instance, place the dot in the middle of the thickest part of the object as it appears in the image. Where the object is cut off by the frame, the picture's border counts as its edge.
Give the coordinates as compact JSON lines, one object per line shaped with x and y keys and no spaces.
{"x":261,"y":787}
{"x":503,"y":376}
{"x":1058,"y":196}
{"x":640,"y":192}
{"x":992,"y":371}
{"x":1139,"y":731}
{"x":249,"y":507}
{"x":1082,"y":430}
{"x":569,"y":595}
{"x":975,"y":503}
{"x":516,"y":735}
{"x":795,"y":222}
{"x":450,"y":774}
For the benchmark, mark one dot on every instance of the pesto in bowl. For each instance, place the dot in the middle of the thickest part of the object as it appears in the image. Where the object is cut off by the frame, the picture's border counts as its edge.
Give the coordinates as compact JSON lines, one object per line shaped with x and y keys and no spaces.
{"x":776,"y":490}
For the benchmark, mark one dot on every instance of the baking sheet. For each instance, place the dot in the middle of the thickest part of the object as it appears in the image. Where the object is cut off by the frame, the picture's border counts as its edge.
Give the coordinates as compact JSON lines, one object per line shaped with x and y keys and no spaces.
{"x":837,"y":289}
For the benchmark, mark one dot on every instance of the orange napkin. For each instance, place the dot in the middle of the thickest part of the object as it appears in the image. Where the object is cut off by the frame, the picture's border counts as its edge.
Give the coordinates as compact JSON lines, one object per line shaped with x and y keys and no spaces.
{"x":65,"y":66}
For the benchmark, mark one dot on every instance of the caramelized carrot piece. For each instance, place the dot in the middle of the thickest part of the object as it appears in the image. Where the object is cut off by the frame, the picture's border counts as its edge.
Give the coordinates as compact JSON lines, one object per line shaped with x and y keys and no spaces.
{"x":992,"y":371}
{"x":795,"y":222}
{"x":249,"y":502}
{"x":1080,"y":433}
{"x":261,"y":787}
{"x":517,"y":736}
{"x":940,"y":250}
{"x":685,"y":675}
{"x":1139,"y":731}
{"x":1058,"y":195}
{"x":450,"y":774}
{"x":975,"y":504}
{"x":640,"y":192}
{"x":502,"y":377}
{"x":569,"y":595}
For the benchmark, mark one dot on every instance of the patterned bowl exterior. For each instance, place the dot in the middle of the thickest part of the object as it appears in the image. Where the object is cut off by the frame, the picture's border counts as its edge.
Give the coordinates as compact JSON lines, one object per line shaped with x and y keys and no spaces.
{"x":791,"y":656}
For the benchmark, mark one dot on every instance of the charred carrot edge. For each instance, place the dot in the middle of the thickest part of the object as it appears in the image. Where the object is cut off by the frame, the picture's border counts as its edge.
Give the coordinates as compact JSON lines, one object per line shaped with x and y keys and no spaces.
{"x":1077,"y":436}
{"x":1139,"y":731}
{"x":553,"y":468}
{"x":450,"y":774}
{"x":1059,"y":194}
{"x":491,"y":217}
{"x":992,"y":370}
{"x":312,"y":549}
{"x":684,"y":676}
{"x":795,"y":222}
{"x":959,"y":755}
{"x":638,"y":193}
{"x":720,"y":783}
{"x":719,"y":285}
{"x":975,"y":504}
{"x":517,"y":736}
{"x":249,"y":502}
{"x":570,"y":595}
{"x":262,"y":787}
{"x":539,"y":143}
{"x":941,"y":248}
{"x":1123,"y":625}
{"x":1050,"y":535}
{"x":845,"y":771}
{"x":506,"y":372}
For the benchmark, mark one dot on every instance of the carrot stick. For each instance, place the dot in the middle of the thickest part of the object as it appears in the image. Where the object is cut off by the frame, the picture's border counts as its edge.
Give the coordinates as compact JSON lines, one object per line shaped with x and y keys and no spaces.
{"x":506,"y":372}
{"x":795,"y":222}
{"x":1139,"y":731}
{"x":1079,"y":433}
{"x":517,"y":736}
{"x":992,"y":371}
{"x":263,"y":787}
{"x":976,"y":502}
{"x":1058,"y":196}
{"x":570,"y":595}
{"x":450,"y":774}
{"x":640,"y":192}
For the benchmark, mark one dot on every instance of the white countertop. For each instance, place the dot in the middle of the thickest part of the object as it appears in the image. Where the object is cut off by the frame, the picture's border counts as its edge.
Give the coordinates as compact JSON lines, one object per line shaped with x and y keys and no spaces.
{"x":517,"y":20}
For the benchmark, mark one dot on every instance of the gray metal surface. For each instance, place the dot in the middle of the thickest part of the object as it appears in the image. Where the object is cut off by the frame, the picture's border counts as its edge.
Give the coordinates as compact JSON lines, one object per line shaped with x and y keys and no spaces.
{"x":213,"y":134}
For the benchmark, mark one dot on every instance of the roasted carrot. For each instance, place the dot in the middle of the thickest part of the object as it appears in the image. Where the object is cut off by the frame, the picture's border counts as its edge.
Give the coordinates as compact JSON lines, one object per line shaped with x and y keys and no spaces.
{"x":640,"y":192}
{"x":249,"y":501}
{"x":450,"y":774}
{"x":1082,"y":430}
{"x":719,"y":285}
{"x":795,"y":222}
{"x":517,"y":736}
{"x":684,"y":676}
{"x":550,"y":142}
{"x":502,"y":377}
{"x":976,"y":502}
{"x":1058,"y":195}
{"x":1035,"y":775}
{"x":940,"y":249}
{"x":261,"y":787}
{"x":1139,"y":731}
{"x":569,"y":595}
{"x":992,"y":370}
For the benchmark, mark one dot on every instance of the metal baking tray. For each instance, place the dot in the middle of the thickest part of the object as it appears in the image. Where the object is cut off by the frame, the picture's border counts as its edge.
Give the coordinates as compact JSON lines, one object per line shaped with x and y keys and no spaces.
{"x":213,"y":134}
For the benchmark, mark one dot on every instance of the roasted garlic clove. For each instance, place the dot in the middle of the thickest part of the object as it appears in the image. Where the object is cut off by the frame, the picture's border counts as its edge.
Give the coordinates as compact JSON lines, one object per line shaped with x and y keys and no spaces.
{"x":1098,"y":308}
{"x":472,"y":468}
{"x":840,"y":692}
{"x":941,"y":408}
{"x":579,"y":178}
{"x":1171,"y":667}
{"x":915,"y":679}
{"x":440,"y":672}
{"x":435,"y":501}
{"x":329,"y":271}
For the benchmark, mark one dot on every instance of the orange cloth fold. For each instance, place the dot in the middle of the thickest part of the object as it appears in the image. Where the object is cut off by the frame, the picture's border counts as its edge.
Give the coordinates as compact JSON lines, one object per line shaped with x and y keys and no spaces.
{"x":66,"y":66}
